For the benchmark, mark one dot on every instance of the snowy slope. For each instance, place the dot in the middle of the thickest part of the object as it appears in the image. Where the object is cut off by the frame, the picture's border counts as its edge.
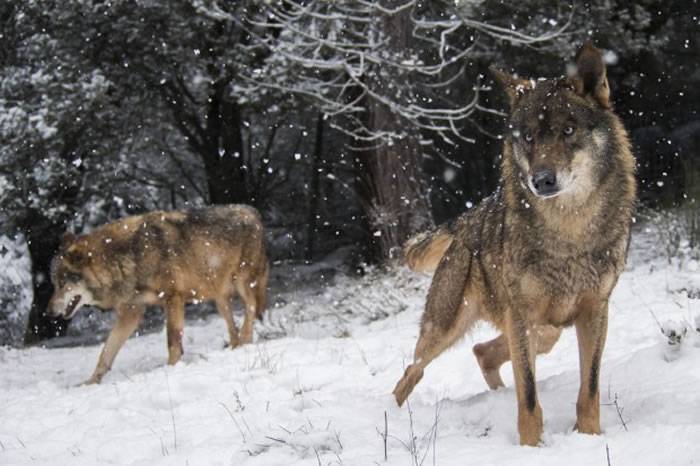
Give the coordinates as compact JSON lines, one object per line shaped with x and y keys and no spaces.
{"x":315,"y":387}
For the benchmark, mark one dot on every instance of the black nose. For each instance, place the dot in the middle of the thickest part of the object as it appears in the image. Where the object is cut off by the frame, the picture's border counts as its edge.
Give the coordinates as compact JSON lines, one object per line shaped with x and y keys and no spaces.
{"x":545,"y":182}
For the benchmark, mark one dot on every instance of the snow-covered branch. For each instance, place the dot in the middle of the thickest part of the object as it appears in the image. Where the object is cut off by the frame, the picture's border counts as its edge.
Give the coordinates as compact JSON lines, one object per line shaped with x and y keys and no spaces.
{"x":340,"y":56}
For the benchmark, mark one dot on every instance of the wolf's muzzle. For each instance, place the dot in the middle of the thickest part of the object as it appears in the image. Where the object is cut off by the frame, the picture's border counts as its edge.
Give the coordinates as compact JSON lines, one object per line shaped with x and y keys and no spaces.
{"x":544,"y":183}
{"x":66,"y":312}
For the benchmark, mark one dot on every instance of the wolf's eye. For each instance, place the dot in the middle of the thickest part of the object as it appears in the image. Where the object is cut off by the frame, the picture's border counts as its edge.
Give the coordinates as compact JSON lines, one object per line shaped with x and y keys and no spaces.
{"x":568,"y":131}
{"x":528,"y":137}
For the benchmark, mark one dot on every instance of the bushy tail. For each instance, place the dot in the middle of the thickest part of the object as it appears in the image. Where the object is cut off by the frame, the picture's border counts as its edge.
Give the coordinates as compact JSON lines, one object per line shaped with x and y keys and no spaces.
{"x":424,"y":251}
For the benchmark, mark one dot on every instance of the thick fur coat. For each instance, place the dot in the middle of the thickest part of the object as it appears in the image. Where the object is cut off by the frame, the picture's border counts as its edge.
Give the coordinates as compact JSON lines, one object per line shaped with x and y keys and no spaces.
{"x":166,"y":259}
{"x":545,"y":250}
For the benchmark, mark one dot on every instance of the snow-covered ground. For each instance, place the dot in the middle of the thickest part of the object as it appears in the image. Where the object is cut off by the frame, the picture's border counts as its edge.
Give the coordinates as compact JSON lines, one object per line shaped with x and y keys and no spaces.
{"x":316,"y":385}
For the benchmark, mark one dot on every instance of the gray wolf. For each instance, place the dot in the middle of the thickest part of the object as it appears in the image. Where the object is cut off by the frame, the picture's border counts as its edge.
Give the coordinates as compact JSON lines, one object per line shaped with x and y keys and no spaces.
{"x":545,"y":250}
{"x":166,"y":259}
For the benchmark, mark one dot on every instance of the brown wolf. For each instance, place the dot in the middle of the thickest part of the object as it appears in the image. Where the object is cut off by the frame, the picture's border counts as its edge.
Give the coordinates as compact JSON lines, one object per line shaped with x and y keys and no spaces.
{"x":166,"y":259}
{"x":545,"y":250}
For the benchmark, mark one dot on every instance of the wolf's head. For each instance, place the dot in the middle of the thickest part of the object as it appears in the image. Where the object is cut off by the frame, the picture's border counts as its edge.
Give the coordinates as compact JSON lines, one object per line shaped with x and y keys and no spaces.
{"x":560,"y":132}
{"x":72,"y":287}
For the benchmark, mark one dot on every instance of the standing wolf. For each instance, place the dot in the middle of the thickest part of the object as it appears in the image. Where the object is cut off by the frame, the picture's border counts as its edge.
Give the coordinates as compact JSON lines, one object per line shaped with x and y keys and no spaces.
{"x":545,"y":250}
{"x":166,"y":259}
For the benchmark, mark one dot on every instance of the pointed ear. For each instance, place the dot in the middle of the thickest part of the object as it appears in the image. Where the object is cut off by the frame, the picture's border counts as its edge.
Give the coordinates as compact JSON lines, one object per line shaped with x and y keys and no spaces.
{"x":76,"y":256}
{"x":590,"y":76}
{"x":514,"y":87}
{"x":67,"y":238}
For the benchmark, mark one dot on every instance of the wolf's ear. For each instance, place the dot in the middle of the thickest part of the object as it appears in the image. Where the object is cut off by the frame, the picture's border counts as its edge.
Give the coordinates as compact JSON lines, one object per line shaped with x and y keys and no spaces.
{"x":76,"y":256}
{"x":514,"y":87}
{"x":67,"y":238}
{"x":590,"y":76}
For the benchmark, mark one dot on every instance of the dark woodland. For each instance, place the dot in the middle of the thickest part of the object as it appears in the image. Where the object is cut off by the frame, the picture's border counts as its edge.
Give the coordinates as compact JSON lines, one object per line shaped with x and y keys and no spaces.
{"x":349,"y":125}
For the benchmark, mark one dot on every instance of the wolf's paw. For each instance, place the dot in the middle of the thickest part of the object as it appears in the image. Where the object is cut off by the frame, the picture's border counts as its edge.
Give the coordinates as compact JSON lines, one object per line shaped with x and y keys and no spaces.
{"x":531,"y":441}
{"x":491,"y":374}
{"x":174,"y":354}
{"x":590,"y":430}
{"x":405,"y":386}
{"x":94,"y":380}
{"x":531,"y":436}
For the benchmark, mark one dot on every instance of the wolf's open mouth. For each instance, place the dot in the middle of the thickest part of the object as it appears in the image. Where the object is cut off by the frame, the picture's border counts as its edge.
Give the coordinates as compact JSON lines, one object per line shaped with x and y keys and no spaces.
{"x":71,"y":307}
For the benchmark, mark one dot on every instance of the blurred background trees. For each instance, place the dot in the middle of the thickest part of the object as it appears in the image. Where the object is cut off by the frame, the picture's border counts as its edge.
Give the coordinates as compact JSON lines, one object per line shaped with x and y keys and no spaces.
{"x":350,"y":124}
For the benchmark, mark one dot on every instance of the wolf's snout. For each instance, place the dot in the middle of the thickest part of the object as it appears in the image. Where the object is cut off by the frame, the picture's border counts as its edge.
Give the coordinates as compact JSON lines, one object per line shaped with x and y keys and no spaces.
{"x":544,"y":183}
{"x":63,"y":308}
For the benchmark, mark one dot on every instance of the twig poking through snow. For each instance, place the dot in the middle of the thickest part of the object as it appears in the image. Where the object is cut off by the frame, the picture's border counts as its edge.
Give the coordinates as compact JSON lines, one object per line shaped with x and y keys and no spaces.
{"x":619,"y":411}
{"x":275,"y":439}
{"x":413,"y":446}
{"x":412,"y":443}
{"x":318,"y":458}
{"x":234,"y":421}
{"x":432,"y":434}
{"x":384,"y":436}
{"x":437,"y":414}
{"x":655,"y":319}
{"x":607,"y":453}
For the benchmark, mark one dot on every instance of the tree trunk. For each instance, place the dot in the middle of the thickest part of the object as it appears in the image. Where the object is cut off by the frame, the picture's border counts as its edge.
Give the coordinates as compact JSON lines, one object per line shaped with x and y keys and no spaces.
{"x":394,"y":194}
{"x":315,"y":189}
{"x":392,"y":188}
{"x":43,"y":244}
{"x":222,"y":152}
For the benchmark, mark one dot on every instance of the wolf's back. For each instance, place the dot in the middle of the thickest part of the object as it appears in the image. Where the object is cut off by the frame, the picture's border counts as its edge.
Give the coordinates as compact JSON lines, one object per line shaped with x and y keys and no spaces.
{"x":423,"y":252}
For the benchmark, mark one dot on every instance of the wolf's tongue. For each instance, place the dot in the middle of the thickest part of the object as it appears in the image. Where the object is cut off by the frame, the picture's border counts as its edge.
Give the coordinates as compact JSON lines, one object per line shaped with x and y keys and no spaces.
{"x":71,"y":306}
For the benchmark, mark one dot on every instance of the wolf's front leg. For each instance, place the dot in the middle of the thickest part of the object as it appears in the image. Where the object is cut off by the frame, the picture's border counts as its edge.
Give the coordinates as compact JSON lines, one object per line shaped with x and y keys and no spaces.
{"x":175,"y":317}
{"x":128,"y":319}
{"x":591,"y":331}
{"x":431,"y":342}
{"x":523,"y":346}
{"x":440,"y":329}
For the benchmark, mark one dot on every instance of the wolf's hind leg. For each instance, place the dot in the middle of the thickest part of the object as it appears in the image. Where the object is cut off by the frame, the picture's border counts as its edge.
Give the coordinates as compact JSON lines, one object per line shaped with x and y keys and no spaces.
{"x":223,"y":305}
{"x":175,"y":323}
{"x":249,"y":296}
{"x":491,"y":355}
{"x":128,"y":319}
{"x":261,"y":291}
